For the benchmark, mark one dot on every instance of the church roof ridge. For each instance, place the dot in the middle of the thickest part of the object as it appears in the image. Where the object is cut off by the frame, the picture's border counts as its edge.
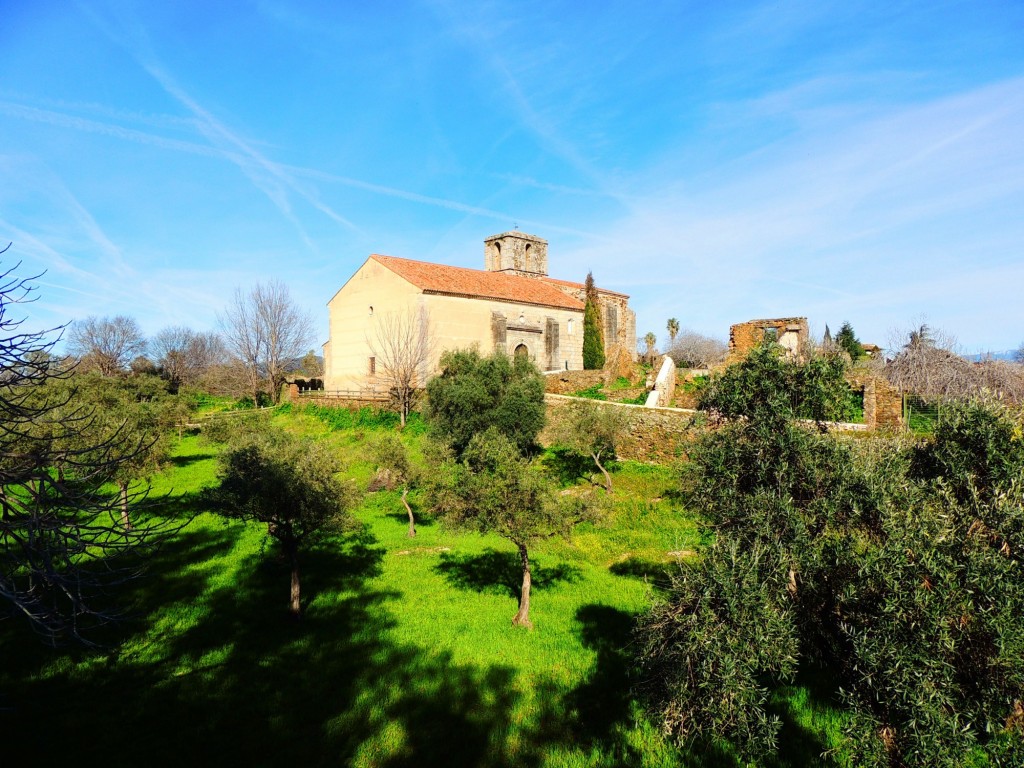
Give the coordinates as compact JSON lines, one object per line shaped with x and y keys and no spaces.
{"x":478,"y":283}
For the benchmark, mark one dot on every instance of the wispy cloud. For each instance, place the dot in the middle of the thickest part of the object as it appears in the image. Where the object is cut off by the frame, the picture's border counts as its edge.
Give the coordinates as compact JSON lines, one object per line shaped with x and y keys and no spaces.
{"x":851,"y":220}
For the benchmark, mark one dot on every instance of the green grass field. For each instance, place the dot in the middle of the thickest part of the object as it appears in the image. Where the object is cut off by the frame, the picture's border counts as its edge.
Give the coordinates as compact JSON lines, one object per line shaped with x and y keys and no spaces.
{"x":405,"y":656}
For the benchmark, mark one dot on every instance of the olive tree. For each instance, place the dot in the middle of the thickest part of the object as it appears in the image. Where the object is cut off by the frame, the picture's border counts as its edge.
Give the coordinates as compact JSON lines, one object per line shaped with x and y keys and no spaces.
{"x":291,"y":484}
{"x":593,"y":430}
{"x":492,"y":488}
{"x":394,"y":468}
{"x":897,"y":567}
{"x":474,"y":393}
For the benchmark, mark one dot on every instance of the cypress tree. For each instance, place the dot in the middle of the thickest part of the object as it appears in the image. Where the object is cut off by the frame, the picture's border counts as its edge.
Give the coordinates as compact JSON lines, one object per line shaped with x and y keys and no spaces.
{"x":593,"y":337}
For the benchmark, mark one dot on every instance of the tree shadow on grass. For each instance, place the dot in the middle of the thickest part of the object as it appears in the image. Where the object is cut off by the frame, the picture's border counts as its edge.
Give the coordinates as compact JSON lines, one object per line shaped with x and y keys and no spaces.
{"x":234,"y":681}
{"x":500,"y":572}
{"x":567,"y":466}
{"x":422,"y":521}
{"x":603,"y":700}
{"x":194,"y":458}
{"x":658,"y":575}
{"x":179,"y":506}
{"x":800,"y":746}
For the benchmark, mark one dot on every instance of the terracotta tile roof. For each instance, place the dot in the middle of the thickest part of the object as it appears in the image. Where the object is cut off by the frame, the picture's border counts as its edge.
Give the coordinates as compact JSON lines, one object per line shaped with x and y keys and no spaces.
{"x":478,"y":283}
{"x":581,"y":286}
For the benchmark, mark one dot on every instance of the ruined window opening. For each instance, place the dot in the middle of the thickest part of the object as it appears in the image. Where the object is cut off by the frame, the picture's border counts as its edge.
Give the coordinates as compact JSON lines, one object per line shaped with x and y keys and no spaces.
{"x":522,"y":351}
{"x":771,"y":333}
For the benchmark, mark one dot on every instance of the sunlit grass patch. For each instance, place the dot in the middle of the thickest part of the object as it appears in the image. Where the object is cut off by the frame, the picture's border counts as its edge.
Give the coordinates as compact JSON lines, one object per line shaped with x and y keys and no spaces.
{"x":405,"y":655}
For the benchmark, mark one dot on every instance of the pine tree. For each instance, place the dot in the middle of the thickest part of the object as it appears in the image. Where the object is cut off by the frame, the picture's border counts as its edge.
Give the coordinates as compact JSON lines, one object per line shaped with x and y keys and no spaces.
{"x":847,"y":340}
{"x":593,"y":338}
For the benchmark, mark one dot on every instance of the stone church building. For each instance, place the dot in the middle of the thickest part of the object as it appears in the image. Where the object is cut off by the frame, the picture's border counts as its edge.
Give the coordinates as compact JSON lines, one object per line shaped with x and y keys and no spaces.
{"x":510,"y":305}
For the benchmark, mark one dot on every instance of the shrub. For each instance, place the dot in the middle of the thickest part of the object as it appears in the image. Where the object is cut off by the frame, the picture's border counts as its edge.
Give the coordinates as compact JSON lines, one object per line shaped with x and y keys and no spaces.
{"x":473,"y":394}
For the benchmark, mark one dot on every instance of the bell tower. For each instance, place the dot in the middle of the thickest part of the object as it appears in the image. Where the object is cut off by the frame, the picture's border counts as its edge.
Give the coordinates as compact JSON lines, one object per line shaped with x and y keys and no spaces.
{"x":516,"y":253}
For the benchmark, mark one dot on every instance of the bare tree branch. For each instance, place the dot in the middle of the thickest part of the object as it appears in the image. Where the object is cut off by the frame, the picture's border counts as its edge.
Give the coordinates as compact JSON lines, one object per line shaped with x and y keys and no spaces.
{"x":403,"y":345}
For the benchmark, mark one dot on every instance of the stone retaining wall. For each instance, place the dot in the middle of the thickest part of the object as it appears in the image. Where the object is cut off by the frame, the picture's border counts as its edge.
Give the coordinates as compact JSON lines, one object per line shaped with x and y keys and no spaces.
{"x":567,"y":382}
{"x":353,"y":403}
{"x":655,"y":434}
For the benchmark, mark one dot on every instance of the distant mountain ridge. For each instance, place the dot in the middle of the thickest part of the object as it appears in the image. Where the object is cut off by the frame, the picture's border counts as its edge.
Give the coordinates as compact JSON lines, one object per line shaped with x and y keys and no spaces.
{"x":1007,"y":355}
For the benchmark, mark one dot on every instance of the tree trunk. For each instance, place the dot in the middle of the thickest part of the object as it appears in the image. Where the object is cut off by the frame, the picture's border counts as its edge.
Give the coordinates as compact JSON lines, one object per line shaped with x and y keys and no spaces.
{"x":294,"y":606}
{"x":408,"y":509}
{"x":522,"y":618}
{"x":125,"y":520}
{"x":403,"y":410}
{"x":607,"y":477}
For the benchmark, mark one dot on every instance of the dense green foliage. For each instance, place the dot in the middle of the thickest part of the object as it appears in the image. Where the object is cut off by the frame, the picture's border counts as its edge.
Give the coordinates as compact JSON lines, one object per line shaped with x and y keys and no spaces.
{"x":473,"y":394}
{"x":288,"y":483}
{"x":847,"y":340}
{"x":772,"y":388}
{"x":593,"y":333}
{"x":896,"y":567}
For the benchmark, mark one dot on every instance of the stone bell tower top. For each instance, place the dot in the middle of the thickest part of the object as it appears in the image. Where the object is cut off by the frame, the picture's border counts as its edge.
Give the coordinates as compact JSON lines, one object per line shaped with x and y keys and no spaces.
{"x":516,"y":253}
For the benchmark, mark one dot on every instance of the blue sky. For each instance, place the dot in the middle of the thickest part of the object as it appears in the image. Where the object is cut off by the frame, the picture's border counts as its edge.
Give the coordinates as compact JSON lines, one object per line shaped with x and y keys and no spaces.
{"x":718,"y":161}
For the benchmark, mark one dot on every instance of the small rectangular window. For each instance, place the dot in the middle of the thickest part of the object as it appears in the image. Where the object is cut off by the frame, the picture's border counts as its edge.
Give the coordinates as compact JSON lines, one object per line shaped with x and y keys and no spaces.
{"x":373,"y":365}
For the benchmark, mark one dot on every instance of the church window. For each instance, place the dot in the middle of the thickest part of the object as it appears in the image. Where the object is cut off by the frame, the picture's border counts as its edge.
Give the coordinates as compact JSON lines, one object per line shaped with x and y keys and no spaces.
{"x":373,"y":365}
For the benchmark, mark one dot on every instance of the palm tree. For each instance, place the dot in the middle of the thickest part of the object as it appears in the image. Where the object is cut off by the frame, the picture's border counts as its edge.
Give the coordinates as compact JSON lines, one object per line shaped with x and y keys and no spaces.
{"x":673,"y":329}
{"x":649,"y":341}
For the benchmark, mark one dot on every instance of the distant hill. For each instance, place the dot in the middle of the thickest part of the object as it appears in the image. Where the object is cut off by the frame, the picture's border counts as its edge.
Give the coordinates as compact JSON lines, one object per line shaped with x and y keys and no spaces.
{"x":1006,"y":355}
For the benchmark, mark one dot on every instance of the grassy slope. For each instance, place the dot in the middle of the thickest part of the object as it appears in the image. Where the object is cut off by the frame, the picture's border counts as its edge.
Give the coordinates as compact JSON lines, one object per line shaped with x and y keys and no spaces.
{"x":406,"y":654}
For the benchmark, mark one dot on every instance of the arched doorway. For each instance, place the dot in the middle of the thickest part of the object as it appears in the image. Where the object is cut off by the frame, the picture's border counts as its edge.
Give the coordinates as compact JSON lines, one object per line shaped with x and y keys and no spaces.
{"x":522,"y":351}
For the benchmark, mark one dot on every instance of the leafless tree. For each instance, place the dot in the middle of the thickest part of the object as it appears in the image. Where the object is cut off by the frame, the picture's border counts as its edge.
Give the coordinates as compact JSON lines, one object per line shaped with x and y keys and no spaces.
{"x":928,"y":365}
{"x":1003,"y":379}
{"x":694,"y":350}
{"x":402,"y":345}
{"x":265,"y":330}
{"x":107,"y":344}
{"x":62,"y":546}
{"x":184,"y":355}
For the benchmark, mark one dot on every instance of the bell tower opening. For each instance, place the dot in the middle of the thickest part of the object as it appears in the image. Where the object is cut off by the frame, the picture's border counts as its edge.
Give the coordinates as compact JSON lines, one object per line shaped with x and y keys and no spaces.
{"x":516,"y":253}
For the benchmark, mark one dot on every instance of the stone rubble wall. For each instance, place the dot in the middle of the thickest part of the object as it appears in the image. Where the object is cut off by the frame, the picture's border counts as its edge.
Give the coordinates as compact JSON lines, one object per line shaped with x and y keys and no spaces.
{"x":655,"y":434}
{"x":883,"y":403}
{"x":567,"y":382}
{"x":353,"y":401}
{"x":743,"y":337}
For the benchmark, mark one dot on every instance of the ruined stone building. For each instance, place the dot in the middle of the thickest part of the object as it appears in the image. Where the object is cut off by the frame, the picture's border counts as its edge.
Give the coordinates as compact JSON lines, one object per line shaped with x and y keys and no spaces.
{"x":511,"y":305}
{"x":791,"y":333}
